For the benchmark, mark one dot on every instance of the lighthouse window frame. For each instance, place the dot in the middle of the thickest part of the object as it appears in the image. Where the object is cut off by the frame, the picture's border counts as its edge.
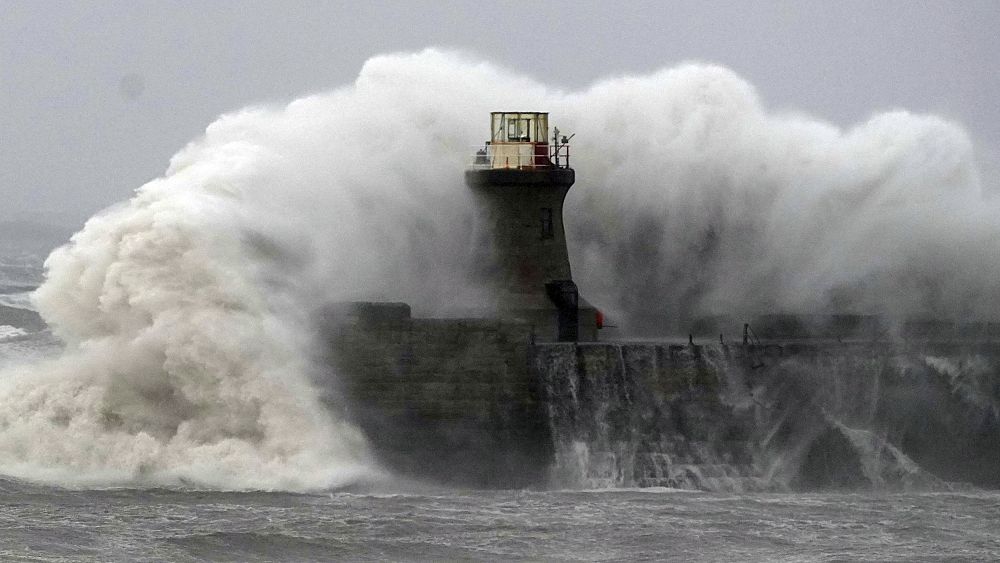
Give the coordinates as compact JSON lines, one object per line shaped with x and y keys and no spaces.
{"x":518,"y":129}
{"x":548,"y":225}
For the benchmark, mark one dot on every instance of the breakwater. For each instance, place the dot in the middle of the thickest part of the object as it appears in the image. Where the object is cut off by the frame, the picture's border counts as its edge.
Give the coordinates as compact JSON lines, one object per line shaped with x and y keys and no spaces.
{"x":796,"y":417}
{"x":477,"y":403}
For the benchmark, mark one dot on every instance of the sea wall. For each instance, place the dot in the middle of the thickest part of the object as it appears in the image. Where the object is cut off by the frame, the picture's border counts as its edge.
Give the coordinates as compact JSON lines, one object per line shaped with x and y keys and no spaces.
{"x":641,"y":415}
{"x":883,"y":415}
{"x":477,"y":403}
{"x":803,"y":416}
{"x":446,"y":400}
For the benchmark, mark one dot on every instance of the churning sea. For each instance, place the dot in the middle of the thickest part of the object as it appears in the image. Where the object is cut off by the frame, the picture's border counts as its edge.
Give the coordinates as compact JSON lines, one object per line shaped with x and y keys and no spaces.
{"x":49,"y":523}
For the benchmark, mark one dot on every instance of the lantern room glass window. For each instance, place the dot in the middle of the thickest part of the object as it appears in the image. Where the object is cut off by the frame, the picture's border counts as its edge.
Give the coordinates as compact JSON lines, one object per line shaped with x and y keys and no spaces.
{"x":520,"y":127}
{"x":518,"y":130}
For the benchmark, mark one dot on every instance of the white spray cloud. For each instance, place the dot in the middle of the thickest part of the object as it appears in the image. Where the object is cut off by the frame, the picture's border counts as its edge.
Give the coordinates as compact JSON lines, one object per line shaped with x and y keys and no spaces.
{"x":185,"y":310}
{"x":692,"y":199}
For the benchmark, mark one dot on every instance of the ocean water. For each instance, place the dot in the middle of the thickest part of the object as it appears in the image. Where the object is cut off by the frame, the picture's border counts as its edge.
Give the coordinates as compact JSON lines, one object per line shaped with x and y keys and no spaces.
{"x":20,"y":274}
{"x":51,"y":524}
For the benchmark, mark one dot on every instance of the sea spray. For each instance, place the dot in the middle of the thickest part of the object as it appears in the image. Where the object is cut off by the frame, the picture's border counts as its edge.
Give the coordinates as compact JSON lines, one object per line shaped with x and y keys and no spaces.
{"x":182,"y":365}
{"x":184,"y":311}
{"x":692,"y":199}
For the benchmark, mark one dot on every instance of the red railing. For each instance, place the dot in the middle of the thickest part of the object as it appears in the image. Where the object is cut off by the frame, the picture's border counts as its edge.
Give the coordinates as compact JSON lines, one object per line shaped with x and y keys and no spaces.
{"x":527,"y":156}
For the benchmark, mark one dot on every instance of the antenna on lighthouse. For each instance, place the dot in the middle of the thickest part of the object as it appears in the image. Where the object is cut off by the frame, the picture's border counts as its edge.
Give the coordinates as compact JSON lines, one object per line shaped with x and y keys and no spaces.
{"x":559,"y":144}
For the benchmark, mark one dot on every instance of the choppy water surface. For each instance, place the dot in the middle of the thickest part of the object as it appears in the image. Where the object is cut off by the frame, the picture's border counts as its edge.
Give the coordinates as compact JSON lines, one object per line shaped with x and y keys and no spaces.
{"x":48,"y":524}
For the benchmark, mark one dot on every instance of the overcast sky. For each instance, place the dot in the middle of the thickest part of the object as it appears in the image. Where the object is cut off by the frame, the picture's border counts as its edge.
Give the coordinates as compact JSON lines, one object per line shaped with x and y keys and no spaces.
{"x":96,"y":96}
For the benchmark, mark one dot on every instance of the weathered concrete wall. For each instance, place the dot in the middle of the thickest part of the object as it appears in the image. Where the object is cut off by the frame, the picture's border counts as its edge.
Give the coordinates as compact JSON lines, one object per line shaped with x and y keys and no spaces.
{"x":795,"y":416}
{"x":642,"y":414}
{"x":510,"y":216}
{"x":932,"y":405}
{"x":448,"y":400}
{"x":473,"y":402}
{"x":519,"y":229}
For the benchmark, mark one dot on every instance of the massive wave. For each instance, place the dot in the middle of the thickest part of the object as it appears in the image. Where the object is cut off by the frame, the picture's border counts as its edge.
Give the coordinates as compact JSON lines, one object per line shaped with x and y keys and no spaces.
{"x":185,"y":311}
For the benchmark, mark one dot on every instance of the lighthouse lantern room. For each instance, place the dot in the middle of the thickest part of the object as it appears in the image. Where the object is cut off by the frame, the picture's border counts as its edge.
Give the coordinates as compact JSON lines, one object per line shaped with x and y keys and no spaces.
{"x":520,"y":140}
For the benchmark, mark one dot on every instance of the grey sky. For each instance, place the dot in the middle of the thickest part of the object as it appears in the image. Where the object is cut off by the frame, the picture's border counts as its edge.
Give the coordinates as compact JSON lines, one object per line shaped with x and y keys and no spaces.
{"x":96,"y":96}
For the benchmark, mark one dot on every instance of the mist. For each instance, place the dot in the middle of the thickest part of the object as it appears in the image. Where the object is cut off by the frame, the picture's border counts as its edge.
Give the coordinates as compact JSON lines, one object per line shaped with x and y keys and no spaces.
{"x":699,"y":201}
{"x":185,"y":310}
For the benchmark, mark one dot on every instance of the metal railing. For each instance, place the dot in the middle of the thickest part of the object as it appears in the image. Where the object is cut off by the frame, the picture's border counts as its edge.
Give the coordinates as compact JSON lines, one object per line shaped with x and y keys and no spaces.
{"x":520,"y":156}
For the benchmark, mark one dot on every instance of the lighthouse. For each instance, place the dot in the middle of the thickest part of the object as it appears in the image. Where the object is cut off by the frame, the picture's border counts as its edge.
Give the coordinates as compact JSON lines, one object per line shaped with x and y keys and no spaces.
{"x":520,"y":181}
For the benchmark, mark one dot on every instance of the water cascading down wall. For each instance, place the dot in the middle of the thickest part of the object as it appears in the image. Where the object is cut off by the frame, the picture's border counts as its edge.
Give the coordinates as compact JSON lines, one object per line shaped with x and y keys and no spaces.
{"x":806,"y":416}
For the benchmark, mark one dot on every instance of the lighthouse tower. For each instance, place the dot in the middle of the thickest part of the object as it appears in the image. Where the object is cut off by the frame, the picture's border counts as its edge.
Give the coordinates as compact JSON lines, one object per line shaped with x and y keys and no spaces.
{"x":520,"y":181}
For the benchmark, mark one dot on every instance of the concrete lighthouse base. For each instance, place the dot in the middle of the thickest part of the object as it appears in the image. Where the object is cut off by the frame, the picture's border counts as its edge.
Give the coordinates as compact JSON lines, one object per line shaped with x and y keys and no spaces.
{"x":519,"y":225}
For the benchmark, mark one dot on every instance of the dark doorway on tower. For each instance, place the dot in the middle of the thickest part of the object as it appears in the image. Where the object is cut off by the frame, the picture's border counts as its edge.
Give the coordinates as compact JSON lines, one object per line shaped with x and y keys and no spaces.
{"x":548,"y":229}
{"x":566,"y":298}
